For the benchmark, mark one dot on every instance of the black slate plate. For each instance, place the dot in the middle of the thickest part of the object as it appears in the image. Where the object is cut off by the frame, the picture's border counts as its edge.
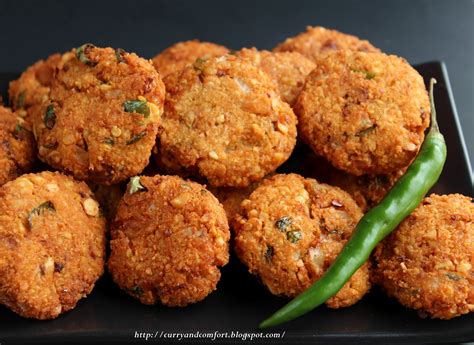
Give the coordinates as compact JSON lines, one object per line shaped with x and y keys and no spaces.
{"x":240,"y":303}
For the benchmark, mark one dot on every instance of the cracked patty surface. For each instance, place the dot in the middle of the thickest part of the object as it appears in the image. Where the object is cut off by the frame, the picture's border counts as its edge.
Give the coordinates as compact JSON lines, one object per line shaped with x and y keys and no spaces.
{"x":224,"y":119}
{"x":290,"y":230}
{"x":168,"y":241}
{"x":17,"y":146}
{"x":427,"y":262}
{"x":317,"y":41}
{"x":52,"y":244}
{"x":364,"y":112}
{"x":102,"y":115}
{"x":287,"y":69}
{"x":179,"y":55}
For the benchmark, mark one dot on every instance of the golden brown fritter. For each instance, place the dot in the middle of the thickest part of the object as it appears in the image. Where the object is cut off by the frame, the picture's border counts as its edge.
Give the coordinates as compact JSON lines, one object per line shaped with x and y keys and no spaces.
{"x":287,"y":69}
{"x":102,"y":115}
{"x":364,"y":112}
{"x":291,"y":229}
{"x":52,"y":244}
{"x":179,"y":55}
{"x":28,"y":92}
{"x":17,"y":146}
{"x":169,"y":238}
{"x":317,"y":41}
{"x":225,"y":119}
{"x":427,"y":263}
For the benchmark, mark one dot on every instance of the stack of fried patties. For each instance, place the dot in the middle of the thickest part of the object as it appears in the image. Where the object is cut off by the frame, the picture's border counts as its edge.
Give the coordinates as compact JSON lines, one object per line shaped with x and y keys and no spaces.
{"x":217,"y":123}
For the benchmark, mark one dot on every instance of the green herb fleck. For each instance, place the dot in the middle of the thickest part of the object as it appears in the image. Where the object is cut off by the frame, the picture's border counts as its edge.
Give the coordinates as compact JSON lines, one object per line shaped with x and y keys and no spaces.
{"x":49,"y":117}
{"x":20,"y":101}
{"x":293,"y":236}
{"x":269,"y":253}
{"x":137,"y":106}
{"x":368,"y":74}
{"x":198,"y":64}
{"x":109,"y":141}
{"x":185,"y":186}
{"x":136,"y":137}
{"x":283,"y":223}
{"x":366,"y":131}
{"x":82,"y":52}
{"x":453,"y":276}
{"x":40,"y":209}
{"x":17,"y":133}
{"x":136,"y":290}
{"x":119,"y":53}
{"x":135,"y":185}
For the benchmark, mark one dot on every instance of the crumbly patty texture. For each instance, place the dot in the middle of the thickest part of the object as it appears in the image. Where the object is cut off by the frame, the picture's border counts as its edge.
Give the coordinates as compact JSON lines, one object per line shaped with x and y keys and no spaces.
{"x":364,"y":112}
{"x":287,"y":69}
{"x":169,"y":239}
{"x":30,"y":91}
{"x":291,"y":229}
{"x":316,"y":42}
{"x":181,"y":54}
{"x":52,"y":244}
{"x":225,"y":119}
{"x":17,"y":146}
{"x":102,"y":116}
{"x":232,"y":197}
{"x":427,"y":263}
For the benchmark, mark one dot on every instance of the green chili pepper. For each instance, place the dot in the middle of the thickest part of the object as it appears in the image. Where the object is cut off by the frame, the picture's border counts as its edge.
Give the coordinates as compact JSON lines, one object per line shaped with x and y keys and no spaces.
{"x":136,"y":138}
{"x":20,"y":101}
{"x":135,"y":185}
{"x":119,"y":53}
{"x":82,"y":52}
{"x":45,"y":206}
{"x":137,"y":106}
{"x":49,"y":117}
{"x":401,"y":200}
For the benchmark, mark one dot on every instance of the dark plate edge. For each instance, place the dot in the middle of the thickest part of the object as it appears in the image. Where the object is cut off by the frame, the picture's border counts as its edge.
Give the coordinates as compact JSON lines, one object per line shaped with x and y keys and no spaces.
{"x":462,"y":141}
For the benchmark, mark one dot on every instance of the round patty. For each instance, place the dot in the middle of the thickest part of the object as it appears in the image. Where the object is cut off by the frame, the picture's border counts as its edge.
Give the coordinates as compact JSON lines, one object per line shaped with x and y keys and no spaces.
{"x":287,"y":69}
{"x":224,"y":119}
{"x":364,"y":112}
{"x":169,"y":238}
{"x":181,"y":54}
{"x":317,"y":41}
{"x":291,"y":229}
{"x":17,"y":146}
{"x":52,"y":244}
{"x":101,"y":119}
{"x":427,"y":263}
{"x":30,"y":91}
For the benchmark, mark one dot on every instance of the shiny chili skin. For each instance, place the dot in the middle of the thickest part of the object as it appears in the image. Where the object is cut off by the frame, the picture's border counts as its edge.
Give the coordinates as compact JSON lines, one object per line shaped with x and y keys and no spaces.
{"x":380,"y":221}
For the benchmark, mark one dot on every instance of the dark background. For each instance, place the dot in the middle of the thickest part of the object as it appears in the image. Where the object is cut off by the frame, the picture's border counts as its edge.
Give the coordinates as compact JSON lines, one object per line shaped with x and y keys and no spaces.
{"x":420,"y":31}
